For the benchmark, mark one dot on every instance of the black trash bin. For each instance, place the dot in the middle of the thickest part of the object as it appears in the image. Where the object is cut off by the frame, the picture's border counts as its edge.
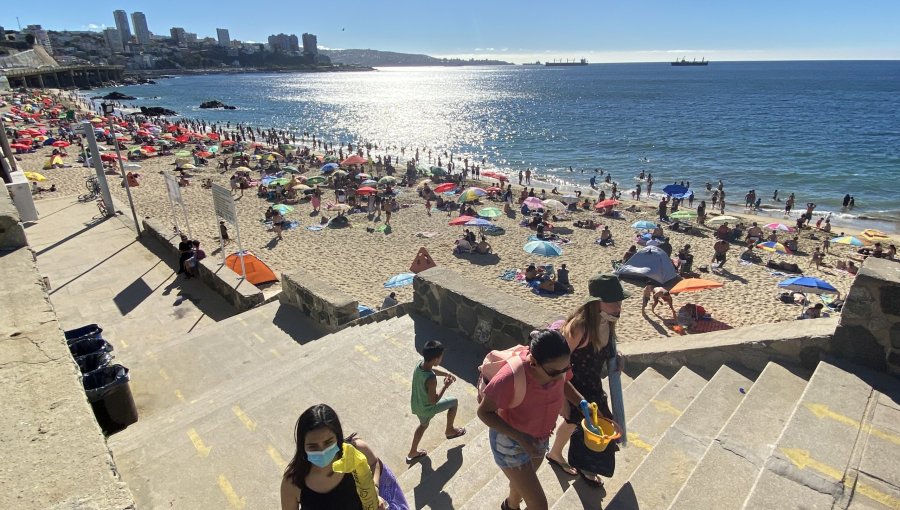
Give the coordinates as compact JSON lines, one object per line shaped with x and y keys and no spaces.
{"x":89,"y":345}
{"x":90,"y":362}
{"x":110,"y":396}
{"x":89,"y":331}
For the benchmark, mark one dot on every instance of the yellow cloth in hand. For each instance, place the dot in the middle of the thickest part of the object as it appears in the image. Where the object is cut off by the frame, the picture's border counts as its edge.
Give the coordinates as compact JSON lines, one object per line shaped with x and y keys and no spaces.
{"x":354,"y":462}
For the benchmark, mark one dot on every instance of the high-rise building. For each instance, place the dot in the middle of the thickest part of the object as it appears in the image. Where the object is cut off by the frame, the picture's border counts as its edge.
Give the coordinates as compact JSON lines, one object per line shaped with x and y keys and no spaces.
{"x":141,"y":32}
{"x":40,"y":37}
{"x":284,"y":42}
{"x":122,"y":26}
{"x":310,"y":44}
{"x":178,"y":35}
{"x":113,"y":40}
{"x":224,"y":38}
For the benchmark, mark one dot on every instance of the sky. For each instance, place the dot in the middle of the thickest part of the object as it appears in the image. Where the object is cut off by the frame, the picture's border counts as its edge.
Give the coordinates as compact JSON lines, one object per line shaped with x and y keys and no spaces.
{"x":524,"y":30}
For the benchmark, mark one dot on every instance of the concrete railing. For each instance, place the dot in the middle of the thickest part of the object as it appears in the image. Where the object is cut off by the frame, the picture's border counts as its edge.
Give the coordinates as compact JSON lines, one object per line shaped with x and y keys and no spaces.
{"x":318,"y":300}
{"x":12,"y":232}
{"x":489,"y":317}
{"x":240,"y":293}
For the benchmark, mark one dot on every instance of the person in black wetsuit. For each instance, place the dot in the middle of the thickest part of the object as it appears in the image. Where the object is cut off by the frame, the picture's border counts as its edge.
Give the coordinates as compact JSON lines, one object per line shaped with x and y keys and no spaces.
{"x":309,"y":481}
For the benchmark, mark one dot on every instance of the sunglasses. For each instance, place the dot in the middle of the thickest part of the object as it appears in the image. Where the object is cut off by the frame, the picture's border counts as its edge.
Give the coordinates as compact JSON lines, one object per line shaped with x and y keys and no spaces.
{"x":555,"y":373}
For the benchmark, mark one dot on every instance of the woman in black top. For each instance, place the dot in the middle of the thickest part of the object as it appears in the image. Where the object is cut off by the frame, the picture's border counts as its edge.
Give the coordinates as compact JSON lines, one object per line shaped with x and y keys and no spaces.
{"x":309,"y":481}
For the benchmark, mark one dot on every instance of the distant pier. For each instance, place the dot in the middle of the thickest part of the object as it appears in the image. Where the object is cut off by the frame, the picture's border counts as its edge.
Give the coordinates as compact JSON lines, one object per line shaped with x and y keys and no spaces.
{"x":63,"y":76}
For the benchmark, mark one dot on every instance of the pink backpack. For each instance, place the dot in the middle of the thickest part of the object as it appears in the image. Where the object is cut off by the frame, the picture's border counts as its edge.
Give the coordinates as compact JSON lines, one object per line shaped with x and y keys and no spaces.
{"x":494,"y":361}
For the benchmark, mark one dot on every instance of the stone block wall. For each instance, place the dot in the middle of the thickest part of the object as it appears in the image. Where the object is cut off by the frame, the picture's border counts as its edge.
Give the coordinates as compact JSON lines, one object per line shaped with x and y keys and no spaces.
{"x":869,"y":331}
{"x":491,"y":318}
{"x":240,"y":293}
{"x":318,"y":300}
{"x":12,"y":232}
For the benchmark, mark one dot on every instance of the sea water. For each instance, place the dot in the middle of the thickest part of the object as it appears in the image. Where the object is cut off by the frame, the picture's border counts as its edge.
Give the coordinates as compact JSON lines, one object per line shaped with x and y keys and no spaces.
{"x":817,"y":129}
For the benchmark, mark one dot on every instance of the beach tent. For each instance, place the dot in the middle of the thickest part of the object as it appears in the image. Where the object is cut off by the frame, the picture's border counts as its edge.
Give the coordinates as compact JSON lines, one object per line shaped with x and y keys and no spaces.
{"x":650,"y":262}
{"x":257,"y":271}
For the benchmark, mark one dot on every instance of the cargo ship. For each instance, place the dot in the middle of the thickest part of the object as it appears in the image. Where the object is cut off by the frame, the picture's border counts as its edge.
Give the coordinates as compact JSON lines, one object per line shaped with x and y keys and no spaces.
{"x":561,"y":63}
{"x":686,"y":62}
{"x":535,"y":63}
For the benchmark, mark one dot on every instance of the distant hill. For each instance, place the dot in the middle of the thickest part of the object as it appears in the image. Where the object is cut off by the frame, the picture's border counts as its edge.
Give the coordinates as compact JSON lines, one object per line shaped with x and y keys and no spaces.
{"x":375,"y":58}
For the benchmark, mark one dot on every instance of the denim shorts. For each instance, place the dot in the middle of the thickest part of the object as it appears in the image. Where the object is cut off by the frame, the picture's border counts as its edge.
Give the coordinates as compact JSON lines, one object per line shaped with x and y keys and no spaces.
{"x":509,"y":454}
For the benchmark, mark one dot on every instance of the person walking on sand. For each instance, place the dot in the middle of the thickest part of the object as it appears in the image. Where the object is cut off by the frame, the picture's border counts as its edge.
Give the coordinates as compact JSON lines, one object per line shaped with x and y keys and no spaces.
{"x":277,"y":223}
{"x":427,"y":402}
{"x":528,"y":176}
{"x":720,"y":251}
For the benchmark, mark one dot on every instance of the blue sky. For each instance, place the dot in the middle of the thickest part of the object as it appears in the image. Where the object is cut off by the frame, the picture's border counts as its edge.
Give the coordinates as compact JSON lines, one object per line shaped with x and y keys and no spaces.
{"x":602,"y":31}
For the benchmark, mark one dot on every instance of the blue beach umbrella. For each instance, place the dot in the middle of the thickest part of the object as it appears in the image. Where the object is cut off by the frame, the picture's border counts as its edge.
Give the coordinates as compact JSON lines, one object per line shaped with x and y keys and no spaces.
{"x":643,"y":225}
{"x":675,"y":189}
{"x":850,"y":240}
{"x":544,"y":248}
{"x":330,"y":167}
{"x":478,"y":222}
{"x":368,"y":182}
{"x":400,"y":280}
{"x":808,"y":284}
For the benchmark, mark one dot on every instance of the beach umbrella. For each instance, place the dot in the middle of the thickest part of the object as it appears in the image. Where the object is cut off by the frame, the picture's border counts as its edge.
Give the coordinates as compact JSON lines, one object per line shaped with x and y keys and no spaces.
{"x":212,"y":136}
{"x":60,"y":143}
{"x":388,"y":180}
{"x":329,"y":167}
{"x":108,"y":157}
{"x":534,"y":203}
{"x":283,"y":209}
{"x":242,"y":169}
{"x":807,"y":284}
{"x":369,"y":182}
{"x":543,"y":248}
{"x":339,"y":173}
{"x":282,"y":181}
{"x":460,"y":220}
{"x":478,"y":222}
{"x":852,"y":241}
{"x":354,"y":160}
{"x":226,"y":143}
{"x":490,"y":212}
{"x":291,"y":169}
{"x":366,"y":190}
{"x":471,"y":195}
{"x":187,"y":166}
{"x":19,"y":146}
{"x":723,"y":219}
{"x":674,"y":189}
{"x":875,"y":236}
{"x":554,"y":204}
{"x":780,"y":226}
{"x":204,"y":154}
{"x":447,"y":186}
{"x":399,"y":280}
{"x":315,"y":180}
{"x":773,"y":246}
{"x":496,"y":175}
{"x":606,"y":203}
{"x":300,"y":187}
{"x":34,"y":176}
{"x":694,"y":284}
{"x":684,"y":215}
{"x":494,"y":189}
{"x":363,"y":176}
{"x":436,"y":170}
{"x":183,"y":154}
{"x":643,"y":225}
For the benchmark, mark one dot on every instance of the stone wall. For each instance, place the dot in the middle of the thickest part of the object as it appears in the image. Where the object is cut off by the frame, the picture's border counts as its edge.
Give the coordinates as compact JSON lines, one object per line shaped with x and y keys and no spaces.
{"x":12,"y":232}
{"x":318,"y":300}
{"x":240,"y":293}
{"x":491,"y":318}
{"x":381,"y":315}
{"x":869,"y":331}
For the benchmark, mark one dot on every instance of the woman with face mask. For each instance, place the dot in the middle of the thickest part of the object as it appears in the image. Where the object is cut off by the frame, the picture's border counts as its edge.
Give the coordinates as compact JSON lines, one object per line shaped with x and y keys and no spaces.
{"x":588,"y":330}
{"x":328,"y":471}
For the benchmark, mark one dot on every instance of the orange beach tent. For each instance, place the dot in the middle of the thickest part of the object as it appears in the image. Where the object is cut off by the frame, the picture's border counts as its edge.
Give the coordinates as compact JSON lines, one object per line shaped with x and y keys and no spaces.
{"x":257,"y":271}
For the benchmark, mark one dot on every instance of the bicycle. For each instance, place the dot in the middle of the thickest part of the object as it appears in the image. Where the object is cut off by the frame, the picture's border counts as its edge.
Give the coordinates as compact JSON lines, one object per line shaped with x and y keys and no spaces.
{"x":102,"y":207}
{"x":93,"y":188}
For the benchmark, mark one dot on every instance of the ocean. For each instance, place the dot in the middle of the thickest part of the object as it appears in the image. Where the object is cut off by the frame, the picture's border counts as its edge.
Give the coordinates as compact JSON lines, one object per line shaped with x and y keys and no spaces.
{"x":816,"y":129}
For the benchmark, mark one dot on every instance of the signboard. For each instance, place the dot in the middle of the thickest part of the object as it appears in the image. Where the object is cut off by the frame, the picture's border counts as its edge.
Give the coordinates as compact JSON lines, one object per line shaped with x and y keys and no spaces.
{"x":173,"y":189}
{"x":223,"y":203}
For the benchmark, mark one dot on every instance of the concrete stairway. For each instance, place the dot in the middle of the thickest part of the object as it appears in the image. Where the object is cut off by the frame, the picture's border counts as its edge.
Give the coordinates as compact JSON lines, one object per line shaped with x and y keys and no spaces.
{"x":779,"y":442}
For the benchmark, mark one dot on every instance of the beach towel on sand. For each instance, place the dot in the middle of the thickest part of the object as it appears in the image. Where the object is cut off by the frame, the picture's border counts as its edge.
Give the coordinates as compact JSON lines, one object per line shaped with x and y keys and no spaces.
{"x":314,"y":228}
{"x":508,"y":274}
{"x":426,"y":235}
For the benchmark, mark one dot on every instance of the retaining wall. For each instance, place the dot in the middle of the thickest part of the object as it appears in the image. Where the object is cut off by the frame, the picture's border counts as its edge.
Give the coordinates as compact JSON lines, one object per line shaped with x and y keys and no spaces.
{"x":318,"y":300}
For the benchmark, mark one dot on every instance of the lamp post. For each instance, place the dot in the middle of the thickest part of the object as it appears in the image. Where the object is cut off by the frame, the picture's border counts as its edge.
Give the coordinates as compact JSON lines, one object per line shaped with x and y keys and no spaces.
{"x":108,"y":112}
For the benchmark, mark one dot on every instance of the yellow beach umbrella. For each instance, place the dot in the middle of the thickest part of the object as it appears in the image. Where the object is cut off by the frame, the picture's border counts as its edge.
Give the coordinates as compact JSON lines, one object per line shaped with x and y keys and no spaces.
{"x":34,"y":176}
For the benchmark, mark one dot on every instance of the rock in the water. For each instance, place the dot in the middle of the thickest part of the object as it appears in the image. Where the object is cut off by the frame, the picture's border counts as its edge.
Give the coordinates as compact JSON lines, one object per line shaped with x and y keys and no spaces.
{"x":216,"y":104}
{"x":156,"y":111}
{"x":116,"y":96}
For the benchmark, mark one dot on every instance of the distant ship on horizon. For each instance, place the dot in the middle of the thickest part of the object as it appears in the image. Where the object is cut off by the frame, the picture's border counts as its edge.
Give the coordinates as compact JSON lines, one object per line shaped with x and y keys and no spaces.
{"x":561,"y":63}
{"x":535,"y":63}
{"x":686,"y":62}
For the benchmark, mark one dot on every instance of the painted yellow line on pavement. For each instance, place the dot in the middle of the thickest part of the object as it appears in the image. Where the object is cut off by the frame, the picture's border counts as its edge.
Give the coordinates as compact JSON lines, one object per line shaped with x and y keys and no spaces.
{"x":393,"y":341}
{"x":664,"y":406}
{"x":472,"y":391}
{"x":123,"y":343}
{"x":276,"y":457}
{"x":365,"y":352}
{"x":275,"y":353}
{"x":261,"y":339}
{"x":822,"y":411}
{"x":234,"y":500}
{"x":164,"y":374}
{"x":635,"y":440}
{"x":179,"y":395}
{"x":241,"y":415}
{"x":803,"y":460}
{"x":202,"y":449}
{"x":400,"y":378}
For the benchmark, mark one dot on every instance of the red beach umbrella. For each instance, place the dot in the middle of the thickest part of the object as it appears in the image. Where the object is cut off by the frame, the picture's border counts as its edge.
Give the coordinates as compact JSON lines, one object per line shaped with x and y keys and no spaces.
{"x":461,"y":220}
{"x":366,"y":190}
{"x":447,"y":186}
{"x":107,"y":157}
{"x":354,"y":160}
{"x":607,"y":203}
{"x":227,"y":143}
{"x":61,"y":143}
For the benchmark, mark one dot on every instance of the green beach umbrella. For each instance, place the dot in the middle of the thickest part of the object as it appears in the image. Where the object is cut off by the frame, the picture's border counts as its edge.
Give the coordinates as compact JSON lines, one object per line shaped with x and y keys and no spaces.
{"x":214,"y":149}
{"x":684,"y":215}
{"x":283,"y":181}
{"x":283,"y":209}
{"x":436,"y":170}
{"x":291,"y":169}
{"x":183,"y":154}
{"x":490,"y":212}
{"x":387,"y":180}
{"x":315,"y":180}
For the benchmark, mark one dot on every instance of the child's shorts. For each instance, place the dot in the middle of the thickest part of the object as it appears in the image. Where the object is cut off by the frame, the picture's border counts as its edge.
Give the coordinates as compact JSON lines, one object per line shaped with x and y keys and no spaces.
{"x":442,"y":405}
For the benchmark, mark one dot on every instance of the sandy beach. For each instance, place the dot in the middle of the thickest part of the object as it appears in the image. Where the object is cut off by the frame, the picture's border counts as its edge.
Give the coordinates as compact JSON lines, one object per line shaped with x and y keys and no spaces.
{"x":359,"y":261}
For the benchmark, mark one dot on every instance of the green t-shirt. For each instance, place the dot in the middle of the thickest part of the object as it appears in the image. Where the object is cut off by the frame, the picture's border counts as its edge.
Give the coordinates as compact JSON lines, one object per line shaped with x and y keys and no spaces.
{"x":419,"y":402}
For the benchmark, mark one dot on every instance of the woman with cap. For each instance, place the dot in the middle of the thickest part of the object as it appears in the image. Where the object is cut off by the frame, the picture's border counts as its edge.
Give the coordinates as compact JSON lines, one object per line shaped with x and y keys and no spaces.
{"x":588,"y":331}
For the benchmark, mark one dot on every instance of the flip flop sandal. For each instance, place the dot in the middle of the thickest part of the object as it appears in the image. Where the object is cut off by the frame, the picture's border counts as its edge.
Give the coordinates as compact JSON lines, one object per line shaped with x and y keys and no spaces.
{"x":561,"y":466}
{"x":419,"y":454}
{"x":457,"y":433}
{"x":505,"y":506}
{"x":592,"y":481}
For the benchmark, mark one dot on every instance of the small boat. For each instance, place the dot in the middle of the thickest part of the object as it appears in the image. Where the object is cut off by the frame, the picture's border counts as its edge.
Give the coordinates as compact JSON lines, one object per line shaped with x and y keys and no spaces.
{"x":564,"y":63}
{"x":685,"y":62}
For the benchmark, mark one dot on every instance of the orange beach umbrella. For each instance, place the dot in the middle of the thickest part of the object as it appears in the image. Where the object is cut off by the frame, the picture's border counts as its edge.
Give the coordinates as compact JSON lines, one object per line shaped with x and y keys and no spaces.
{"x":694,"y":284}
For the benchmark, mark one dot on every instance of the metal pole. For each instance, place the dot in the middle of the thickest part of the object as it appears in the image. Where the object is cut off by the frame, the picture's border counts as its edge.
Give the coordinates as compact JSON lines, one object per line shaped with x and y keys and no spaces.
{"x":112,"y":132}
{"x":221,"y":239}
{"x":237,"y":233}
{"x":98,"y":168}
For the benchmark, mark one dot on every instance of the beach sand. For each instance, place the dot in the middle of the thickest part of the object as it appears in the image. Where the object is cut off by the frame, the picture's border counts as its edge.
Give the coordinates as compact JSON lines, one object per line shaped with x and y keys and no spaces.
{"x":359,"y":262}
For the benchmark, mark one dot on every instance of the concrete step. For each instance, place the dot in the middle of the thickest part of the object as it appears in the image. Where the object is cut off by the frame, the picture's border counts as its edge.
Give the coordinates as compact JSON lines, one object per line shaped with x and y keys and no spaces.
{"x":735,"y":458}
{"x":644,"y":431}
{"x":656,"y":481}
{"x":637,"y":394}
{"x":818,"y":444}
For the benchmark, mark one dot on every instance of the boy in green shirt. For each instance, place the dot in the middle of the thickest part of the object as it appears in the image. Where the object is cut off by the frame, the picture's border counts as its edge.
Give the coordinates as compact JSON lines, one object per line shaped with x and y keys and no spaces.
{"x":426,"y":401}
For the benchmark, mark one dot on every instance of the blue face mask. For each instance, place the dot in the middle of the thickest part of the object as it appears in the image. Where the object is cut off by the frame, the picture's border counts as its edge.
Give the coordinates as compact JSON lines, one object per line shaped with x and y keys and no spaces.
{"x":324,"y":457}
